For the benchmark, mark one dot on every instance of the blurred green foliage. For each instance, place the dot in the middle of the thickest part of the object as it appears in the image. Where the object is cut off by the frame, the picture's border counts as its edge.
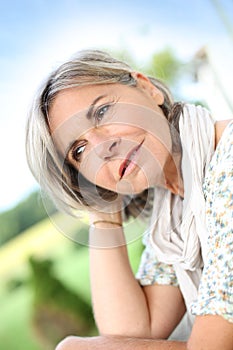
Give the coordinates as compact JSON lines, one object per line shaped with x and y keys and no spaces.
{"x":58,"y":310}
{"x":25,"y":214}
{"x":166,"y":66}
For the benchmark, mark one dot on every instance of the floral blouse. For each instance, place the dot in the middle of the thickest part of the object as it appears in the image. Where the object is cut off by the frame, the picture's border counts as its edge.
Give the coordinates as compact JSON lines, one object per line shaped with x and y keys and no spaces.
{"x":215,"y":294}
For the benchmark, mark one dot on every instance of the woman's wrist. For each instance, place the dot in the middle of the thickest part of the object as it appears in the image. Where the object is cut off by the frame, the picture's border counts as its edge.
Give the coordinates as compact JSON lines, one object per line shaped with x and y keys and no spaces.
{"x":106,"y":223}
{"x":105,"y":235}
{"x":105,"y":219}
{"x":106,"y":226}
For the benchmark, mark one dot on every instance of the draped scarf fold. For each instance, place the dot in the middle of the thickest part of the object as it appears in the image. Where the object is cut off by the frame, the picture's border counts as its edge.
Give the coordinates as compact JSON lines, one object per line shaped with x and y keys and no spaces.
{"x":178,"y":230}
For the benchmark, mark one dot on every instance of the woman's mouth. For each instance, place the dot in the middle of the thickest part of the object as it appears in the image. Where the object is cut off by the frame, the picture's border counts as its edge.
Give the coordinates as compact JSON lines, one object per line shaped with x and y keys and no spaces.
{"x":129,"y":163}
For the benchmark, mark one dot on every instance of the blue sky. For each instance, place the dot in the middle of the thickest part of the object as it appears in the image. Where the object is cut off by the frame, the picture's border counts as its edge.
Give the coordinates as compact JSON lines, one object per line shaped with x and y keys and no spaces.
{"x":36,"y":35}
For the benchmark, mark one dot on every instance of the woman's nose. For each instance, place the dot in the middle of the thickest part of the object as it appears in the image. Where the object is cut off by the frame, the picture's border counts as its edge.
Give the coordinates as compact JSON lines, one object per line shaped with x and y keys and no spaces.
{"x":106,"y":147}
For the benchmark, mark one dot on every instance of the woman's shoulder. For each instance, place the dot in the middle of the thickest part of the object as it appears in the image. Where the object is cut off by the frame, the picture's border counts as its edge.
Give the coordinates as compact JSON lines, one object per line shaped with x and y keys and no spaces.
{"x":220,"y":127}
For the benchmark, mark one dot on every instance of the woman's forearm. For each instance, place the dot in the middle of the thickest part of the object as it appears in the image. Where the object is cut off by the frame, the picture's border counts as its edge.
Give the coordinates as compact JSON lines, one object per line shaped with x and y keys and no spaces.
{"x":120,"y":306}
{"x":116,"y":343}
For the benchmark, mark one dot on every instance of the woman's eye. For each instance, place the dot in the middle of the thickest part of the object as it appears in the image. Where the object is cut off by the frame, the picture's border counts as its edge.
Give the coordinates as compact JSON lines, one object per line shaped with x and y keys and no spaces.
{"x":100,"y":112}
{"x":77,"y":152}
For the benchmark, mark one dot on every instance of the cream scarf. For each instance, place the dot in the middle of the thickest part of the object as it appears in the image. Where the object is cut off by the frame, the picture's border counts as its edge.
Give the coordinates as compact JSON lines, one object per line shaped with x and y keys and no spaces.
{"x":178,"y":229}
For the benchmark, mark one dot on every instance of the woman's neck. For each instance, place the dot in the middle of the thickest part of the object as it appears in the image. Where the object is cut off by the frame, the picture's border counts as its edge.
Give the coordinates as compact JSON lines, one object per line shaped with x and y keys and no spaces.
{"x":172,"y":175}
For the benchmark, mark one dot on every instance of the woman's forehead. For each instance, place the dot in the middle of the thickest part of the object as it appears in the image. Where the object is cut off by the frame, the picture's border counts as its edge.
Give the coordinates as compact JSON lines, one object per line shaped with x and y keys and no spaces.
{"x":71,"y":101}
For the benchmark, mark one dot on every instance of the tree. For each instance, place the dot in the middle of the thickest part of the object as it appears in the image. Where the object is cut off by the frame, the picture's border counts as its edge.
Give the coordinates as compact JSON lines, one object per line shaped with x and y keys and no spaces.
{"x":25,"y":214}
{"x":165,"y":66}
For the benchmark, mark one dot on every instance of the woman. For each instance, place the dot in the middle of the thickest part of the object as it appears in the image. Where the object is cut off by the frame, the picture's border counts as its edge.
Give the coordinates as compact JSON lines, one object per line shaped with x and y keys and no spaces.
{"x":103,"y":137}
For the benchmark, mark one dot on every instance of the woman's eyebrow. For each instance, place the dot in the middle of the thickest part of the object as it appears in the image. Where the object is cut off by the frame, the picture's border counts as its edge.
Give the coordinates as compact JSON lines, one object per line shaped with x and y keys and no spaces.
{"x":90,"y":109}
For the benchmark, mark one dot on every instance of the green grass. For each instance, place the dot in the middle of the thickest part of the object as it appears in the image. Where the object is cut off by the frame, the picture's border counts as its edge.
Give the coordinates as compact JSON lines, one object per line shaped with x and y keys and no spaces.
{"x":71,"y":266}
{"x":15,"y":322}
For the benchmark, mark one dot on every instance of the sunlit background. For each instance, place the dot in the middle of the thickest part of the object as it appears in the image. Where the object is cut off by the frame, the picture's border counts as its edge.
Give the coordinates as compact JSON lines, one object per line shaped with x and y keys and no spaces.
{"x":35,"y":36}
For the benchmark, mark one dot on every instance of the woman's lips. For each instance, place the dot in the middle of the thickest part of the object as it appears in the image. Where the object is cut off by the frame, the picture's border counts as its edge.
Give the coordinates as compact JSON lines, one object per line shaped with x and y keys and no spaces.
{"x":129,"y":162}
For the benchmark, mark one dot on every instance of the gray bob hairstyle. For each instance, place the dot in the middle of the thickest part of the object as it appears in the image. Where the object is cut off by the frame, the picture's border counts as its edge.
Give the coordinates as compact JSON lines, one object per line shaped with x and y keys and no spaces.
{"x":65,"y":185}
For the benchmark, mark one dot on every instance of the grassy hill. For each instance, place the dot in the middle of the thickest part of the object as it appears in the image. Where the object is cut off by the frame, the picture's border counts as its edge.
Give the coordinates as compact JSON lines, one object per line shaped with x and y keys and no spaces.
{"x":44,"y":240}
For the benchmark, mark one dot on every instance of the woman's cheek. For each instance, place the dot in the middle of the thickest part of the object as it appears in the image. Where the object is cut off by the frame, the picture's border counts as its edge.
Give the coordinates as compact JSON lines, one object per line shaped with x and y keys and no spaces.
{"x":93,"y":169}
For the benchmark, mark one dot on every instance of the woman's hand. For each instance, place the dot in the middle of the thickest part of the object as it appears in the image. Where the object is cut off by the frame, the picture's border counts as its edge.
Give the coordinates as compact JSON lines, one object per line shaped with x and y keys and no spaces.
{"x":108,"y":216}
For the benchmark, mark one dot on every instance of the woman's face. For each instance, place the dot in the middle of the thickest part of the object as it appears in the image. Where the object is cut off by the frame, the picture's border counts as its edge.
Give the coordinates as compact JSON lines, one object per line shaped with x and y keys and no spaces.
{"x":115,"y":135}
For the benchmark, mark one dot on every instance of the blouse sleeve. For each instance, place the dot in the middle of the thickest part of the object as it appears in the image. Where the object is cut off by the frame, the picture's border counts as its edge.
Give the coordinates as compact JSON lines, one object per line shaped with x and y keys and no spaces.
{"x":215,"y":294}
{"x":152,"y":271}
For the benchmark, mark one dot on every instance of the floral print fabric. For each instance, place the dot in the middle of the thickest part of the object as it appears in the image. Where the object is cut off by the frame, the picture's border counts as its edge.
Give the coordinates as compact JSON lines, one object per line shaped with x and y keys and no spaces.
{"x":216,"y":288}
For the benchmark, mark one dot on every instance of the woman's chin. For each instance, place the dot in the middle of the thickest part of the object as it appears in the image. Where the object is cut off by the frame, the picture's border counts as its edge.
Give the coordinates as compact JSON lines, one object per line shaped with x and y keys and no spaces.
{"x":126,"y":187}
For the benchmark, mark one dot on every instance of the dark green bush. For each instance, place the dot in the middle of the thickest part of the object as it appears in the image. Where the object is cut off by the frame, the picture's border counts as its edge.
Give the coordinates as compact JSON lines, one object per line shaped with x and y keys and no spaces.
{"x":58,"y":311}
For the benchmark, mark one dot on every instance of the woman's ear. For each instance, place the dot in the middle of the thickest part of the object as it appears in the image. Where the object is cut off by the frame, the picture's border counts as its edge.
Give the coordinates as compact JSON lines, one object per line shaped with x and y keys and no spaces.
{"x":144,"y":83}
